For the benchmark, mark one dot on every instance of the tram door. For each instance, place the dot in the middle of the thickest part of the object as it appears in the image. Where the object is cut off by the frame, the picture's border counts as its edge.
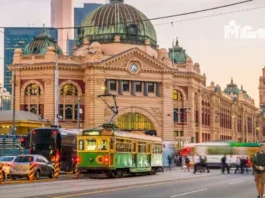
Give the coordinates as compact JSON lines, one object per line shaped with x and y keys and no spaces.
{"x":149,"y":154}
{"x":134,"y":154}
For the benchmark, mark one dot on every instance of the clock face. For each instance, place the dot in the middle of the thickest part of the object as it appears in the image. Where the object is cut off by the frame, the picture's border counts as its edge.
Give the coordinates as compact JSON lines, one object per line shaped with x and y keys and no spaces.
{"x":133,"y":68}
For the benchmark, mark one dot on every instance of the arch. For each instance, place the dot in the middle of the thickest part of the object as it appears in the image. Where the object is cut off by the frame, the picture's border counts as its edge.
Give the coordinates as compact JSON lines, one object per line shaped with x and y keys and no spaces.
{"x":26,"y":84}
{"x":79,"y":90}
{"x":147,"y":114}
{"x":177,"y":95}
{"x":181,"y":91}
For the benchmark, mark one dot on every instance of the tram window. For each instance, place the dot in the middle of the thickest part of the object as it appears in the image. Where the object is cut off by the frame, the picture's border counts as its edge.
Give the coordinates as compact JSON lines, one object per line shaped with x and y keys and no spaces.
{"x":141,"y":147}
{"x":103,"y":145}
{"x":81,"y":145}
{"x":91,"y":144}
{"x":123,"y":145}
{"x":157,"y":149}
{"x":148,"y":148}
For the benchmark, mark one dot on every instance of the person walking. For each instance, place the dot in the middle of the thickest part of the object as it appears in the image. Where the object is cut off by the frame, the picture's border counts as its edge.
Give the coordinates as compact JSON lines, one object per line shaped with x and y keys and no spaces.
{"x":169,"y":161}
{"x":204,"y":162}
{"x":197,"y":162}
{"x":259,"y":169}
{"x":238,"y":162}
{"x":225,"y":164}
{"x":187,"y":163}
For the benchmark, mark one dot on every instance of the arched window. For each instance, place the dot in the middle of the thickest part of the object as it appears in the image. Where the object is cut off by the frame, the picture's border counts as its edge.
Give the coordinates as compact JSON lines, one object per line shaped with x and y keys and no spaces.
{"x":177,"y":95}
{"x":32,"y":89}
{"x":69,"y":90}
{"x":33,"y":110}
{"x":132,"y":29}
{"x":134,"y":121}
{"x":68,"y":112}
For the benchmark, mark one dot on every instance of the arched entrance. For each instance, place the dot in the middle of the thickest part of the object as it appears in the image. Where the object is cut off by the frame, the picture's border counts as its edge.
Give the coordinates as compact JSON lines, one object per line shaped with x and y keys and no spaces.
{"x":134,"y":122}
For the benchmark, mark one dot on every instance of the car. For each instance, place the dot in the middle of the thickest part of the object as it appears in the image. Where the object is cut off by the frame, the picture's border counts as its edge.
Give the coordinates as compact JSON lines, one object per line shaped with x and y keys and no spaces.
{"x":7,"y":163}
{"x":21,"y":167}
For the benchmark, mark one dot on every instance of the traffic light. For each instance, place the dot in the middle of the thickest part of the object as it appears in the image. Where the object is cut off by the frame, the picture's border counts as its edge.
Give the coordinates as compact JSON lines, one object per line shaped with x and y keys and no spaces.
{"x":22,"y":142}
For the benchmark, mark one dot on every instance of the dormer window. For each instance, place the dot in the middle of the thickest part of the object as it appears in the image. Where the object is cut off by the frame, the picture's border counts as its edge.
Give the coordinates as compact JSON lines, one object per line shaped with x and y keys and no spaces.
{"x":132,"y":29}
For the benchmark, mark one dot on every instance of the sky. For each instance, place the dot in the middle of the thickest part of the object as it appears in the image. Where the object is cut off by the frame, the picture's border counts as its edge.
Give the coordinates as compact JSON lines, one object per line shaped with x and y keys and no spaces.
{"x":203,"y":38}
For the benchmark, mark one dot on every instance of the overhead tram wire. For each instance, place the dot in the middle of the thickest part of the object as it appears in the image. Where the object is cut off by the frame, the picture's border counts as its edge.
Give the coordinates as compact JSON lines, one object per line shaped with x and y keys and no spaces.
{"x":163,"y":17}
{"x":208,"y":16}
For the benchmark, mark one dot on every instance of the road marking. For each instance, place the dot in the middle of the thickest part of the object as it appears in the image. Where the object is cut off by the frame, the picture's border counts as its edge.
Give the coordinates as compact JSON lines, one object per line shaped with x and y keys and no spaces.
{"x":131,"y":187}
{"x":236,"y":182}
{"x":191,"y":192}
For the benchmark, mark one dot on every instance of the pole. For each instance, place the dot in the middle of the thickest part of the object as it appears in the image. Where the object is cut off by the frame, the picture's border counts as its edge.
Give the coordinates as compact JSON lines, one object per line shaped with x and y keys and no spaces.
{"x":56,"y":92}
{"x":2,"y":102}
{"x":78,"y":112}
{"x":187,"y":124}
{"x":14,"y":102}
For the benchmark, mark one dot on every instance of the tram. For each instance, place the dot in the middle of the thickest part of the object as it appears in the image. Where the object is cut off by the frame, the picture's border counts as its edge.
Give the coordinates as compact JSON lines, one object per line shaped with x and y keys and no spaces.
{"x":114,"y":153}
{"x":214,"y":151}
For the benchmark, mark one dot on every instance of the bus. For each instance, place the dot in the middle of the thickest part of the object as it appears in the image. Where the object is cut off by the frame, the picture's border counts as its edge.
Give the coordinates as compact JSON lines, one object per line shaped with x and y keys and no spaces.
{"x":57,"y":145}
{"x":214,"y":151}
{"x":113,"y":153}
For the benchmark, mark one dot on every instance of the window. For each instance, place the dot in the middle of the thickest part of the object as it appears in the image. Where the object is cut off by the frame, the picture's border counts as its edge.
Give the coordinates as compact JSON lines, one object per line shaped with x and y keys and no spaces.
{"x":69,"y":90}
{"x":68,"y":112}
{"x":32,"y":89}
{"x":177,"y":95}
{"x":150,"y":87}
{"x":157,"y":149}
{"x":123,"y":145}
{"x":103,"y":145}
{"x":176,"y":133}
{"x":138,"y":86}
{"x":112,"y":85}
{"x":181,"y":133}
{"x":81,"y":145}
{"x":91,"y":144}
{"x":175,"y":115}
{"x":125,"y":85}
{"x":181,"y":115}
{"x":141,"y":147}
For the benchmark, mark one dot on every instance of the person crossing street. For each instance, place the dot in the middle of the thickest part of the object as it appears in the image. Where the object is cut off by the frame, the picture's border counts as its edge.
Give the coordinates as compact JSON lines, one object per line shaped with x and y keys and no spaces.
{"x":259,"y":169}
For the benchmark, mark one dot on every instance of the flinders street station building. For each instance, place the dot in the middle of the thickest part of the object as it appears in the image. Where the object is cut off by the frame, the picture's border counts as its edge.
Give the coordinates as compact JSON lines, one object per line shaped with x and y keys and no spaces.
{"x":157,"y":89}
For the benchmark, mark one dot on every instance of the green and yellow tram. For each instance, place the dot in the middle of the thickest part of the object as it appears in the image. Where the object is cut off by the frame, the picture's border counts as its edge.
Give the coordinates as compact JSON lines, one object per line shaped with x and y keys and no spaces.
{"x":118,"y":153}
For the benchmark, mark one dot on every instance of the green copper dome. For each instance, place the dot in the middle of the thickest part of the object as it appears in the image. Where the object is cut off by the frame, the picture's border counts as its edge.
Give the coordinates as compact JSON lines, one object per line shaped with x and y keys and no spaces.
{"x":117,"y":19}
{"x":178,"y":54}
{"x":232,"y":88}
{"x":40,"y":43}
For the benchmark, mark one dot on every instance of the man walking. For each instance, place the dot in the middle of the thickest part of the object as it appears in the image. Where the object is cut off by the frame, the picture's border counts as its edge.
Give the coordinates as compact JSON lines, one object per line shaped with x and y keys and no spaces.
{"x":225,"y":164}
{"x":259,"y":168}
{"x":197,"y":162}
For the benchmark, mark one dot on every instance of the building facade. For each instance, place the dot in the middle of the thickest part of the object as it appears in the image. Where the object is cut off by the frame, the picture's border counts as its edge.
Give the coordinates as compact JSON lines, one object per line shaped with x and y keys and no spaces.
{"x":17,"y":37}
{"x":62,"y":16}
{"x":157,"y":89}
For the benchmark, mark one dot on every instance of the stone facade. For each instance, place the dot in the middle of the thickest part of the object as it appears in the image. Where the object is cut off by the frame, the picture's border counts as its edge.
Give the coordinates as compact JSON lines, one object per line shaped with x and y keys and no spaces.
{"x":173,"y":97}
{"x":157,"y":89}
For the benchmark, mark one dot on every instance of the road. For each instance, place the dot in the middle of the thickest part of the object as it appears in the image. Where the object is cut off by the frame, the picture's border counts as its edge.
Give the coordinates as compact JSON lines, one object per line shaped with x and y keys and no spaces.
{"x":167,"y":185}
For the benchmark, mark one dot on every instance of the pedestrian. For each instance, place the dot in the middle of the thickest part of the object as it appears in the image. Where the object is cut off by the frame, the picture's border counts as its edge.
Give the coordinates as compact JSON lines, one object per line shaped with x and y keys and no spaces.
{"x":197,"y":162}
{"x":187,"y":163}
{"x":259,"y":164}
{"x":204,"y":162}
{"x":243,"y":165}
{"x":169,"y":161}
{"x":225,"y":164}
{"x":237,"y":164}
